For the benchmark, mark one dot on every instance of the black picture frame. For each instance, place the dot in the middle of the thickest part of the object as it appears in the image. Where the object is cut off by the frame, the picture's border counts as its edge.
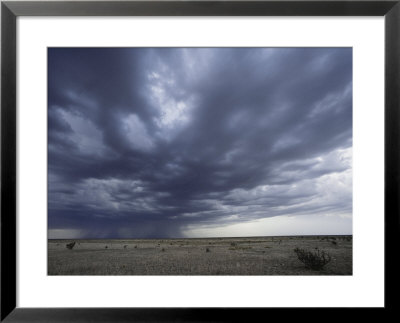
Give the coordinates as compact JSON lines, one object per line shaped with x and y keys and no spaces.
{"x":10,"y":10}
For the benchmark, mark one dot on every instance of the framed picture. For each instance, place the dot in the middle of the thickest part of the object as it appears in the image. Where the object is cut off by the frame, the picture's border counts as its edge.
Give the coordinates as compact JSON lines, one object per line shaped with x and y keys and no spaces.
{"x":197,"y":152}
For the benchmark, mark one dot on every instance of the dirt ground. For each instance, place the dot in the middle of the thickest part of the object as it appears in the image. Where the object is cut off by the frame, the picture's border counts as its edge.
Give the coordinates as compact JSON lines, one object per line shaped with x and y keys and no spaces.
{"x":208,"y":256}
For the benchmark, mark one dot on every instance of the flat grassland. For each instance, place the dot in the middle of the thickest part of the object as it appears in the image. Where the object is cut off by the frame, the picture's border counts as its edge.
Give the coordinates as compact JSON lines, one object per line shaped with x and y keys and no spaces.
{"x":207,"y":256}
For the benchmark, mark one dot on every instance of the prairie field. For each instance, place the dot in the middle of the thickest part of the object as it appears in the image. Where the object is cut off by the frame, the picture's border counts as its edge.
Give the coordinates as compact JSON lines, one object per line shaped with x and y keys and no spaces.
{"x":205,"y":256}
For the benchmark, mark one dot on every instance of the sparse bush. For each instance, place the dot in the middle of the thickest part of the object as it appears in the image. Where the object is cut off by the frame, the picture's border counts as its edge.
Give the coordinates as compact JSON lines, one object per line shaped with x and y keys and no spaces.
{"x":106,"y":247}
{"x":207,"y":250}
{"x":233,"y":244}
{"x":313,"y":260}
{"x":162,"y":249}
{"x":125,"y":246}
{"x":70,"y":245}
{"x":334,"y":243}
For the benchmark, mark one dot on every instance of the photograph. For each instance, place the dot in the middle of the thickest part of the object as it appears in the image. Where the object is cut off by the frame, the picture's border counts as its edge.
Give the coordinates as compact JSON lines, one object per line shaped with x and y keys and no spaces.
{"x":167,"y":161}
{"x":200,"y":161}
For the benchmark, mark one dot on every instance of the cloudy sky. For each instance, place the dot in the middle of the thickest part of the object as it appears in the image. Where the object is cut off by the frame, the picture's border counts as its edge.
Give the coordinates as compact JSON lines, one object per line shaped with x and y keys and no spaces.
{"x":197,"y":142}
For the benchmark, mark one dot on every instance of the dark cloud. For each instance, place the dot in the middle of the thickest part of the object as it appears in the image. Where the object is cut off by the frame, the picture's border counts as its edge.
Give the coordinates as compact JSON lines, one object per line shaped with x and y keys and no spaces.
{"x":148,"y":142}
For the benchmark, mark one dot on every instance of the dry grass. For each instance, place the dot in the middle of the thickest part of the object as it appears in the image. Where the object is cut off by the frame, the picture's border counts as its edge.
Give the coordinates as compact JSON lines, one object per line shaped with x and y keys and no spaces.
{"x":226,"y":256}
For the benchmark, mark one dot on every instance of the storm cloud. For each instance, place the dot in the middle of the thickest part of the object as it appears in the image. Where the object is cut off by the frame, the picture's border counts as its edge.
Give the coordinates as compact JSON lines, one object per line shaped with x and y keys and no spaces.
{"x":161,"y":142}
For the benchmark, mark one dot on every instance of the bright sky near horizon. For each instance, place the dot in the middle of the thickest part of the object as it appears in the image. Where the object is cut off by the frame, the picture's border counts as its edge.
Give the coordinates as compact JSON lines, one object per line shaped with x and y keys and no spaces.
{"x":199,"y":142}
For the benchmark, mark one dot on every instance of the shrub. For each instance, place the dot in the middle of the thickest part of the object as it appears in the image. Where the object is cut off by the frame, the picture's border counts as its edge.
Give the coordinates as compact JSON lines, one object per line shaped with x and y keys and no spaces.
{"x":313,"y":260}
{"x":207,"y":250}
{"x":70,"y":245}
